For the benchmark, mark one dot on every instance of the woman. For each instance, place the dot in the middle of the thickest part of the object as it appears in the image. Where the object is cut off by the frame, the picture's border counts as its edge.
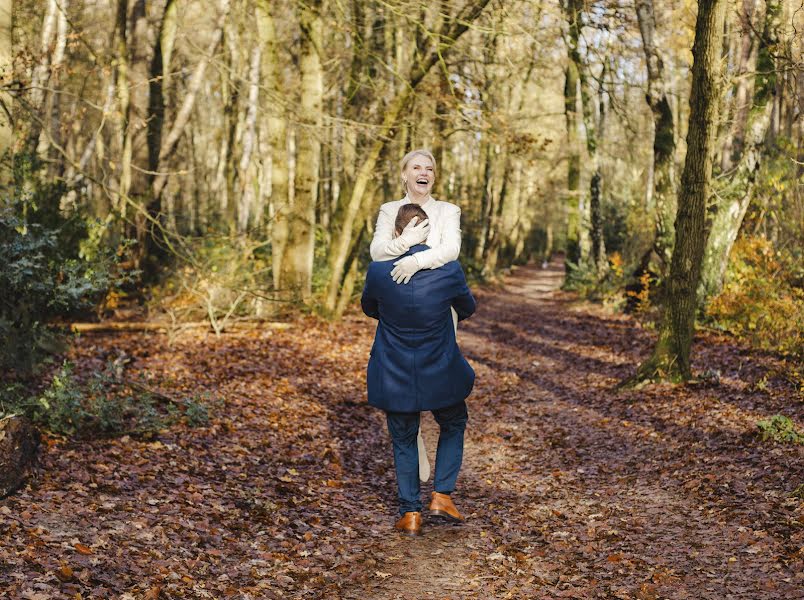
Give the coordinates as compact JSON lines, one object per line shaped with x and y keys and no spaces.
{"x":441,"y":231}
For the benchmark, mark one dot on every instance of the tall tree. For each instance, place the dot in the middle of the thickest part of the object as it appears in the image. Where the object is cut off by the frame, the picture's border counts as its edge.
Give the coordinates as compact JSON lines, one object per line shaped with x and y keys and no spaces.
{"x":661,"y":193}
{"x":275,"y":123}
{"x":671,"y":355}
{"x":445,"y":39}
{"x":577,"y":214}
{"x":729,"y":209}
{"x":297,"y":263}
{"x":6,"y":76}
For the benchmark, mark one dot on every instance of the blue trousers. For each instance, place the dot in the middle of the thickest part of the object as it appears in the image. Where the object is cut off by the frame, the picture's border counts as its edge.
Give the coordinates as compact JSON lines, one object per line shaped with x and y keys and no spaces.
{"x":404,"y":428}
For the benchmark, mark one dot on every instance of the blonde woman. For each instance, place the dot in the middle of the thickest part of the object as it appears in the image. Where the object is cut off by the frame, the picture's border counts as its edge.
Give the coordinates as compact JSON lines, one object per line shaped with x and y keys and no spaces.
{"x":441,"y":231}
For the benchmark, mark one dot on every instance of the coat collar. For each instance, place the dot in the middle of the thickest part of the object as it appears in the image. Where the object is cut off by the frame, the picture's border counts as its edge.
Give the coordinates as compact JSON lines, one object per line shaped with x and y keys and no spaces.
{"x":428,"y":203}
{"x":417,"y":248}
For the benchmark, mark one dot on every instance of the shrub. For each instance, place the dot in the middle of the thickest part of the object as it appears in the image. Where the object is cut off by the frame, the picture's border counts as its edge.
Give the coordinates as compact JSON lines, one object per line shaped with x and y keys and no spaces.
{"x":51,"y":268}
{"x":761,"y":300}
{"x":779,"y":429}
{"x":219,"y":278}
{"x":101,"y":407}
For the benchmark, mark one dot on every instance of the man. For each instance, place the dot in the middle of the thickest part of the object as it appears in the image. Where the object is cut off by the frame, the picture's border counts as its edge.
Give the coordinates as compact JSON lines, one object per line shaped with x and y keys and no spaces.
{"x":416,"y":365}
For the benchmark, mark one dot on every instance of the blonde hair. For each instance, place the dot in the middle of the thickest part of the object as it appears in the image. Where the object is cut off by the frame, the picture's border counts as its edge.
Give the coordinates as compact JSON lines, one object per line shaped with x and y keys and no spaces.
{"x":409,"y":157}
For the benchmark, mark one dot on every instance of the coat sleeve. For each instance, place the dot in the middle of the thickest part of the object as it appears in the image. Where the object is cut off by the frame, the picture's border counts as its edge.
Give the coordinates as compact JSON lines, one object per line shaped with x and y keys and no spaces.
{"x":450,"y":246}
{"x":463,"y":302}
{"x":368,"y":301}
{"x":383,"y":245}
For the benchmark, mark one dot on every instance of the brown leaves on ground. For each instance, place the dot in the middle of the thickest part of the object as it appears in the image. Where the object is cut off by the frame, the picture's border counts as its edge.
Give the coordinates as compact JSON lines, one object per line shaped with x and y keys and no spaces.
{"x":571,"y":490}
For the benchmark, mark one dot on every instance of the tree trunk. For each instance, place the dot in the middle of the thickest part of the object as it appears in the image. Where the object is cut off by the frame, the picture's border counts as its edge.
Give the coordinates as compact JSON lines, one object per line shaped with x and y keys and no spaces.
{"x":572,"y":102}
{"x":6,"y":75}
{"x":189,"y":97}
{"x":276,"y":125}
{"x":19,"y":441}
{"x":735,"y":198}
{"x":742,"y":97}
{"x":297,"y":263}
{"x":671,"y":356}
{"x":160,"y":68}
{"x":246,"y":173}
{"x":447,"y":37}
{"x":662,"y":195}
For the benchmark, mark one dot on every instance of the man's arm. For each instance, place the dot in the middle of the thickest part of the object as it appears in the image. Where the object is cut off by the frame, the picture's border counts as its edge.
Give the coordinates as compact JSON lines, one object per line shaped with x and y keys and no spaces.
{"x":463,"y":302}
{"x":368,"y":301}
{"x":450,"y":246}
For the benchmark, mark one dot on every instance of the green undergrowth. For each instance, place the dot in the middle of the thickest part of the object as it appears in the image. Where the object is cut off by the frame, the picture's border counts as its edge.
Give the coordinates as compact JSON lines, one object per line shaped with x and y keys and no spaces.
{"x":779,"y":428}
{"x":104,"y":405}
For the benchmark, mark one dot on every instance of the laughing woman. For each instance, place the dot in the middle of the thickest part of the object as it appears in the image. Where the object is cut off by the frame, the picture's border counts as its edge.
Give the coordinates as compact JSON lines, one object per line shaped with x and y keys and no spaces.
{"x":441,"y":231}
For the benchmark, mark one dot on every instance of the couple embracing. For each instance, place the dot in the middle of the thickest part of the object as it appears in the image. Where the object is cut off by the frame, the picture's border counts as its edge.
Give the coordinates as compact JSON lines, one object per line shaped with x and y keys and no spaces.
{"x":417,"y":291}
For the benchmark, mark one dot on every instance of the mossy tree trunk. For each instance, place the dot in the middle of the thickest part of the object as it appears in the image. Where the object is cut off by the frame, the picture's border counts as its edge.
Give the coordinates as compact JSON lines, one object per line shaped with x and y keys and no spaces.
{"x":296,"y":275}
{"x":671,"y":355}
{"x":577,"y":242}
{"x":662,"y":195}
{"x":729,"y":211}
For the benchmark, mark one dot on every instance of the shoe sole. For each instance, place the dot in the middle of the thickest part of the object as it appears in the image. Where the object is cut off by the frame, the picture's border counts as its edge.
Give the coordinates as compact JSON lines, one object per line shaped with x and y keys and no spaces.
{"x":409,"y":533}
{"x":444,"y":516}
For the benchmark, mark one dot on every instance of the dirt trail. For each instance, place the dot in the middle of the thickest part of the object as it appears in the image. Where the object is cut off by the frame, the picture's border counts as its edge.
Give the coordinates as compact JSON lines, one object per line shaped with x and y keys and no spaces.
{"x":444,"y":562}
{"x":571,"y":490}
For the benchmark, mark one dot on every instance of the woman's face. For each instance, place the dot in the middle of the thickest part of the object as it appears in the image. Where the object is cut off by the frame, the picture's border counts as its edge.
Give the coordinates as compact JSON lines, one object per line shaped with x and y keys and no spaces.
{"x":419,"y":176}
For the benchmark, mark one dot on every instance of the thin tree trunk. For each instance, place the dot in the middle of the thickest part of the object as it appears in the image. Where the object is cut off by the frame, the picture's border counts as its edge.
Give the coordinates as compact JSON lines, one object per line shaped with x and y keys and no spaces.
{"x":742,"y":98}
{"x":297,"y":263}
{"x":572,"y":102}
{"x":186,"y":109}
{"x":246,"y":172}
{"x":6,"y":73}
{"x":160,"y":66}
{"x":662,"y":195}
{"x":671,"y":355}
{"x":276,"y":125}
{"x":342,"y":241}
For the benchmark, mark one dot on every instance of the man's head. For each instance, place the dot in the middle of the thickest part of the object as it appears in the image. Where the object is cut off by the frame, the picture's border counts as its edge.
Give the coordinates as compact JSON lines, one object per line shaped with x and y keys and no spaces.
{"x":406,"y":213}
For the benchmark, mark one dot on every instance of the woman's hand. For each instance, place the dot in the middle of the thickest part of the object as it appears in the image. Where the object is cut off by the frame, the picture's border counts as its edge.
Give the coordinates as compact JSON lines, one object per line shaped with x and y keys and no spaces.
{"x":415,"y":233}
{"x":405,"y":268}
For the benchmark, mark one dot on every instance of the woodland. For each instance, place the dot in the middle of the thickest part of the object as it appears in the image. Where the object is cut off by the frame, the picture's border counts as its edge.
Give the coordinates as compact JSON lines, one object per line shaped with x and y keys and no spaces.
{"x":189,"y":191}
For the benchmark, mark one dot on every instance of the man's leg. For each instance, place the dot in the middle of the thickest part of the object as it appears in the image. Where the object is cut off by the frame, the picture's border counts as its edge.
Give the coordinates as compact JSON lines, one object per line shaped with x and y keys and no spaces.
{"x":452,"y":421}
{"x":404,"y":428}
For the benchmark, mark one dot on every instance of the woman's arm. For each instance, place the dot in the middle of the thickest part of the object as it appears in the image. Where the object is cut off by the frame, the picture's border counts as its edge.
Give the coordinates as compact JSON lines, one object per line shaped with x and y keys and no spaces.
{"x":383,"y":245}
{"x":450,"y":246}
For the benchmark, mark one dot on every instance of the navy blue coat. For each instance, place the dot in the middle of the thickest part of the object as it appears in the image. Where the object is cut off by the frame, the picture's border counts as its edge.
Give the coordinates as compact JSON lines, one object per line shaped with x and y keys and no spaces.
{"x":415,"y":362}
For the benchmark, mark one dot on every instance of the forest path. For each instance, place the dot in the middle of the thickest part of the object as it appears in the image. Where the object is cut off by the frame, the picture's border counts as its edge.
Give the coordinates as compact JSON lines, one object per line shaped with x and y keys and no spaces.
{"x":573,"y":490}
{"x":443,"y":562}
{"x":570,"y":489}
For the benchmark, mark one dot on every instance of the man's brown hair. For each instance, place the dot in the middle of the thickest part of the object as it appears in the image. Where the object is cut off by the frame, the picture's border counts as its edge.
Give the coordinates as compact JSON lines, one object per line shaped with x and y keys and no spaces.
{"x":406,"y":213}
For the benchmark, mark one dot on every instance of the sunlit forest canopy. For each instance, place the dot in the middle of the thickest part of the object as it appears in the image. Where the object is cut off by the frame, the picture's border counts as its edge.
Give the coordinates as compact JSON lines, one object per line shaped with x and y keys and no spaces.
{"x":233,"y":154}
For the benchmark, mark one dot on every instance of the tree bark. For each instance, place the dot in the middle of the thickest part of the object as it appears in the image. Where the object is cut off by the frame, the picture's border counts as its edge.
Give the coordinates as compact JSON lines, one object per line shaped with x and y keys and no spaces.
{"x":733,"y":202}
{"x":577,"y":245}
{"x":276,"y":125}
{"x":447,"y":37}
{"x":662,"y":194}
{"x":6,"y":77}
{"x":297,"y":263}
{"x":742,"y":97}
{"x":671,"y":355}
{"x":186,"y":108}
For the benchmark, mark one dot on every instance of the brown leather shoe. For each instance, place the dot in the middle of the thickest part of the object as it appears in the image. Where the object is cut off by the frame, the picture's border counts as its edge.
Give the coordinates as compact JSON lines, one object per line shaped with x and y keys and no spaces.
{"x":410,"y":523}
{"x":441,"y":506}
